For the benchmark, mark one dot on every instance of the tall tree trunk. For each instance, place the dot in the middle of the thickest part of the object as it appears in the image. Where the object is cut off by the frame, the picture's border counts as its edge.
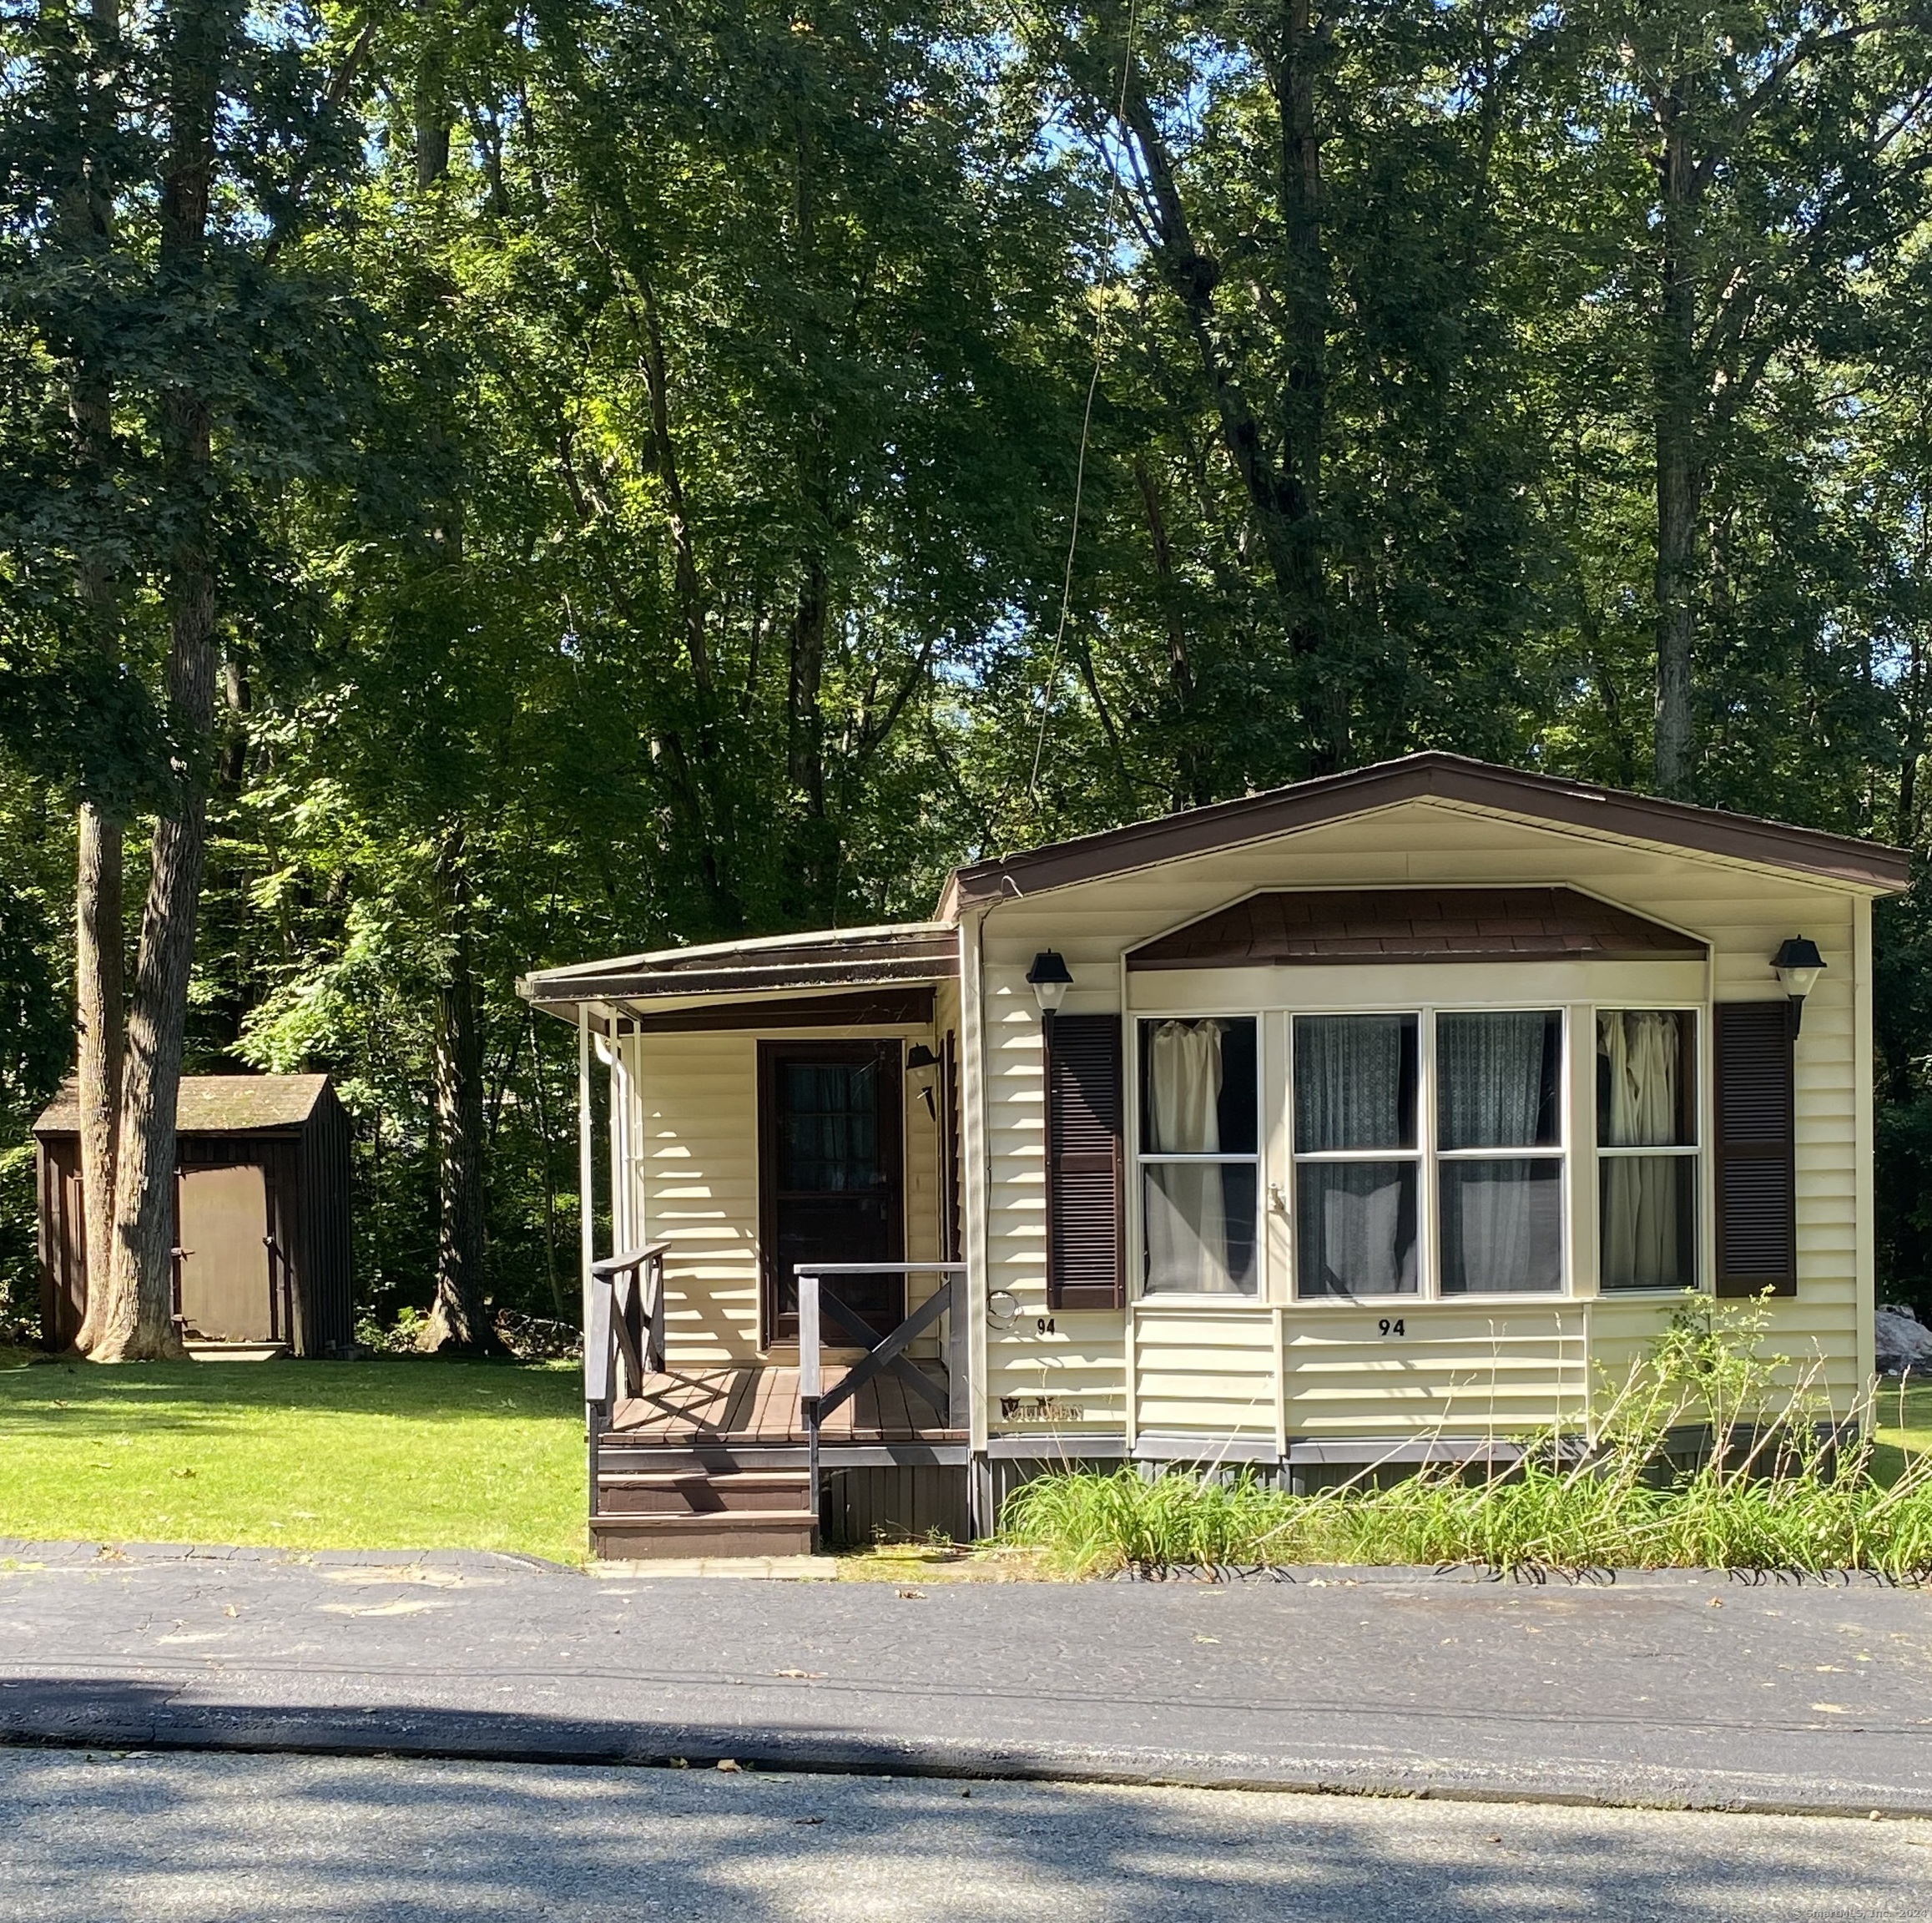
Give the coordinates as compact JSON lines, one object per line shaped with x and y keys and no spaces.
{"x":804,"y":724}
{"x":1305,"y":404}
{"x":87,"y":220}
{"x":138,"y":1319}
{"x":100,"y":1021}
{"x":1680,"y":480}
{"x":459,"y":1320}
{"x":1283,"y":486}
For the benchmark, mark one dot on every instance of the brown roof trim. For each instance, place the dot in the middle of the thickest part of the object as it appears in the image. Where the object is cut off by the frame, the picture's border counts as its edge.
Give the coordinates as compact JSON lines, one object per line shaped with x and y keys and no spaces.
{"x":897,"y":1008}
{"x":1318,"y":926}
{"x":1446,"y":777}
{"x":629,"y":987}
{"x":916,"y":952}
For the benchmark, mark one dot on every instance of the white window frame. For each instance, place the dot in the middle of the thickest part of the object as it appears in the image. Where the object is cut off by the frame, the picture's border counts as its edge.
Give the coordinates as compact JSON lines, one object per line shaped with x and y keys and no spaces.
{"x":1417,"y":1155}
{"x":1431,"y":1156}
{"x":1692,"y":1151}
{"x":1139,"y":1020}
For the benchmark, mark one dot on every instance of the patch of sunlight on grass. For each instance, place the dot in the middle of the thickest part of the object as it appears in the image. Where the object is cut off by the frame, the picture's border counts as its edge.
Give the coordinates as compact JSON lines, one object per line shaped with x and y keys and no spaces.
{"x":1904,"y":1421}
{"x":395,"y":1454}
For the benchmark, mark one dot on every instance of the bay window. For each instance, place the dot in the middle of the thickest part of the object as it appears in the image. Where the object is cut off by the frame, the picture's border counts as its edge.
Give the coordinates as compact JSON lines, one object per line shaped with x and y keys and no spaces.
{"x":1200,"y":1156}
{"x":1466,"y":1135}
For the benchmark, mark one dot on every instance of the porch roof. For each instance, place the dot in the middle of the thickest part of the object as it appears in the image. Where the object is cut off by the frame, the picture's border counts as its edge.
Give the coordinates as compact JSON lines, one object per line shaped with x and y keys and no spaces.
{"x":870,"y":963}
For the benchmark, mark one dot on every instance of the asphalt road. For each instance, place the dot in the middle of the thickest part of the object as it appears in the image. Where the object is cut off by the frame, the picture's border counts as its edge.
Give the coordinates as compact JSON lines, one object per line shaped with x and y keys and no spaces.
{"x":1678,"y":1689}
{"x":209,"y":1838}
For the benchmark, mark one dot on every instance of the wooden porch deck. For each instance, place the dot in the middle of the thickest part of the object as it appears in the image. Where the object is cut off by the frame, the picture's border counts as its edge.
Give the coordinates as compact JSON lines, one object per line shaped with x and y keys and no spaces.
{"x":759,"y":1404}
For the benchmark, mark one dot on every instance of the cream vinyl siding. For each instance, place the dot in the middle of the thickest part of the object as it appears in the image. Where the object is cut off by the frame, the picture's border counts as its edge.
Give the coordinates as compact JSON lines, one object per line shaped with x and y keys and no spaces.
{"x":1476,"y":1365}
{"x":695,"y":1169}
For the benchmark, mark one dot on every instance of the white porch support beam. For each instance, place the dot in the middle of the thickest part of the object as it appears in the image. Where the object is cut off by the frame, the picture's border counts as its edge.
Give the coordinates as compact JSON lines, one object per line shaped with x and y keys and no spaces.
{"x":620,"y":1129}
{"x":976,"y":1175}
{"x":586,"y":1158}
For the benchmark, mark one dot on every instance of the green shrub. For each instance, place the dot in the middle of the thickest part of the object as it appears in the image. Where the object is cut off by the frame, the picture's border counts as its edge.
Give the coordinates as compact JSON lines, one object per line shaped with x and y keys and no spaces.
{"x":1775,"y":1482}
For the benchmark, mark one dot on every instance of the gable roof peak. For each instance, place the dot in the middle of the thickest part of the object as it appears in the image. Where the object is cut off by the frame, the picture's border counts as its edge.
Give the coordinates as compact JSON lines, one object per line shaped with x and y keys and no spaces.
{"x":1431,"y":774}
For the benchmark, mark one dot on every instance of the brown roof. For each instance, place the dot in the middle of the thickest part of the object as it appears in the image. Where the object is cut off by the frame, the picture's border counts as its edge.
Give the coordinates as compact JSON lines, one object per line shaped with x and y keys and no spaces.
{"x":1407,"y":924}
{"x":214,"y":1104}
{"x":1449,"y":777}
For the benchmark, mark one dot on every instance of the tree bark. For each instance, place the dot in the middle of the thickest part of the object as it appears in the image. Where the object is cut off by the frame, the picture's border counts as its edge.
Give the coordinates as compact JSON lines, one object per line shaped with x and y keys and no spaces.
{"x":804,"y":724}
{"x":99,"y":1015}
{"x":1283,"y":487}
{"x":138,"y":1322}
{"x":138,"y":1319}
{"x":87,"y":220}
{"x":459,"y":1320}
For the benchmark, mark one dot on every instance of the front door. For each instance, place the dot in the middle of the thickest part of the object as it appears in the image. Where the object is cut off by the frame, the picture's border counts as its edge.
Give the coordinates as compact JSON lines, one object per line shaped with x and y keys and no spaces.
{"x":830,"y":1178}
{"x":224,"y":1256}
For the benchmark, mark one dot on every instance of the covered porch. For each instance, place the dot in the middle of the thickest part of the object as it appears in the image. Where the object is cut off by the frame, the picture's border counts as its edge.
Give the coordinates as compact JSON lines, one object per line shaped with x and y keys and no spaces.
{"x":781,"y":1162}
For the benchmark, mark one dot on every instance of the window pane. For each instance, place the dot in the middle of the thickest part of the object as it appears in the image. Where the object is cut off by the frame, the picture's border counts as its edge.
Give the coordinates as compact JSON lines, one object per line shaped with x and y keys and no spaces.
{"x":1354,"y":1082}
{"x":1646,"y":1081}
{"x":828,"y":1127}
{"x":1355,"y":1229}
{"x":1649,"y":1221}
{"x":1496,"y":1077}
{"x":1502,"y":1227}
{"x":1197,"y":1088}
{"x":1200,"y":1228}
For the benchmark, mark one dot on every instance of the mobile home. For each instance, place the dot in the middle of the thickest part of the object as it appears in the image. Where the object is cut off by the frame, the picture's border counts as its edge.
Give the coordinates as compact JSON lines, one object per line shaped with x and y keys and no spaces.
{"x":1366,"y":1119}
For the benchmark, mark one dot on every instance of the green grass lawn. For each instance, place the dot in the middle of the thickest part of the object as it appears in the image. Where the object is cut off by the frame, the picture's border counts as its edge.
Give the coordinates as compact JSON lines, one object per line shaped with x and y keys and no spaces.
{"x":398,"y":1454}
{"x":1902,"y":1426}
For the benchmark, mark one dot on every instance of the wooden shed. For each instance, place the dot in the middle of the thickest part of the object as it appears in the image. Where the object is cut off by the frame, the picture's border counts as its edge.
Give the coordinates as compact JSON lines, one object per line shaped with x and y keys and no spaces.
{"x":262,"y":1254}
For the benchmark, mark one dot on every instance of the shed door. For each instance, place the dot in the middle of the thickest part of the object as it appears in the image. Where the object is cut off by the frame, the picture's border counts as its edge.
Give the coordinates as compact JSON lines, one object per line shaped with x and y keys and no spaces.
{"x":224,"y":1257}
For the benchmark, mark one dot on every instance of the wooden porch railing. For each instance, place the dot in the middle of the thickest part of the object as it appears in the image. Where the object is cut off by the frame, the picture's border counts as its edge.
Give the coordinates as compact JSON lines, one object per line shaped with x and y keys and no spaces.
{"x":624,"y":1338}
{"x":816,"y":1307}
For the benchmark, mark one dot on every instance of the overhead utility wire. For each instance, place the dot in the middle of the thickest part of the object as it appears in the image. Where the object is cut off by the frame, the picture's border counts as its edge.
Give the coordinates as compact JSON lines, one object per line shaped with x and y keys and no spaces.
{"x":1111,"y":236}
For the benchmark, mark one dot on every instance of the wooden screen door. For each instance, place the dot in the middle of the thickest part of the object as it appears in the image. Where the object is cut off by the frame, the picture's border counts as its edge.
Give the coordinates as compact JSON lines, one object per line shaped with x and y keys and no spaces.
{"x":831,"y":1177}
{"x":224,"y":1257}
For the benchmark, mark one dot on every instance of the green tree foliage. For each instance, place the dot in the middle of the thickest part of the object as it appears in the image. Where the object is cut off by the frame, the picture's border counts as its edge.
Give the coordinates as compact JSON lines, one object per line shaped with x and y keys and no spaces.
{"x":688,"y":469}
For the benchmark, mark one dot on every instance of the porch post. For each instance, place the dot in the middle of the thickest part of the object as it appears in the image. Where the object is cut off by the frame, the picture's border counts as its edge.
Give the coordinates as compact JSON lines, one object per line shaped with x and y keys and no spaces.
{"x":586,"y":1158}
{"x":620,"y":1129}
{"x":974,"y":1285}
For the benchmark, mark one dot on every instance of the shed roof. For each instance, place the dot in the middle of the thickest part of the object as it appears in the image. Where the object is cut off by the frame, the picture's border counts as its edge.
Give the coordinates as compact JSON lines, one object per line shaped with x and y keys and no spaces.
{"x":214,"y":1104}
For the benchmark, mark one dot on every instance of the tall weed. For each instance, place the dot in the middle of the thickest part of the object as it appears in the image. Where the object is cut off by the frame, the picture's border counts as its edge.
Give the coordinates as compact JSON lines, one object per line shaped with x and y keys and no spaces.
{"x":1710,"y":1454}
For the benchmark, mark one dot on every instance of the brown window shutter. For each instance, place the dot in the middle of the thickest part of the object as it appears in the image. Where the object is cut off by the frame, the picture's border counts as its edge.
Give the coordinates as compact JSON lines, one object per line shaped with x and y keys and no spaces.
{"x":1086,"y":1188}
{"x":1757,"y":1163}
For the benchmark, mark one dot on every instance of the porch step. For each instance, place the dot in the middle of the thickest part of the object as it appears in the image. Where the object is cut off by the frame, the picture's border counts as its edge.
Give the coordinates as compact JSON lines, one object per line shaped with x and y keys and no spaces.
{"x":620,"y":1537}
{"x":692,"y":1493}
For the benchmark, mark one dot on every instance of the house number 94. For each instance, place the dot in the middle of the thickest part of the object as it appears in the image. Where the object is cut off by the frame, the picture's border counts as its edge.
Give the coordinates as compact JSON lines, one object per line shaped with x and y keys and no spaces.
{"x":1389,"y":1328}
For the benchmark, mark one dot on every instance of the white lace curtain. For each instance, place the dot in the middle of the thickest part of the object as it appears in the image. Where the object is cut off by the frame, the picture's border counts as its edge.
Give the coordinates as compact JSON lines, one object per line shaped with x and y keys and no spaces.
{"x":1490,"y":1070}
{"x":1350,"y":1092}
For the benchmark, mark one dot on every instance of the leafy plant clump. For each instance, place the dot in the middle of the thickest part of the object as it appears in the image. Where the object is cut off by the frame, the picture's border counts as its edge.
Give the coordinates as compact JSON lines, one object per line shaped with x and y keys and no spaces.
{"x":1711,"y":1454}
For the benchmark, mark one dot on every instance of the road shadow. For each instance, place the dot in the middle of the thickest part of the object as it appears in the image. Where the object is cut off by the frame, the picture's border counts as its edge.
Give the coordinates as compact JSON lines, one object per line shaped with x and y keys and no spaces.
{"x":90,"y":1836}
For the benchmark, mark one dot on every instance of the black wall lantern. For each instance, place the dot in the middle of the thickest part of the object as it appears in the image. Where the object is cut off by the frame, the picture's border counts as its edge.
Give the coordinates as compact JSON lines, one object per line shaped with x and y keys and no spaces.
{"x":1798,"y":965}
{"x":921,"y":1062}
{"x":1049,"y":978}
